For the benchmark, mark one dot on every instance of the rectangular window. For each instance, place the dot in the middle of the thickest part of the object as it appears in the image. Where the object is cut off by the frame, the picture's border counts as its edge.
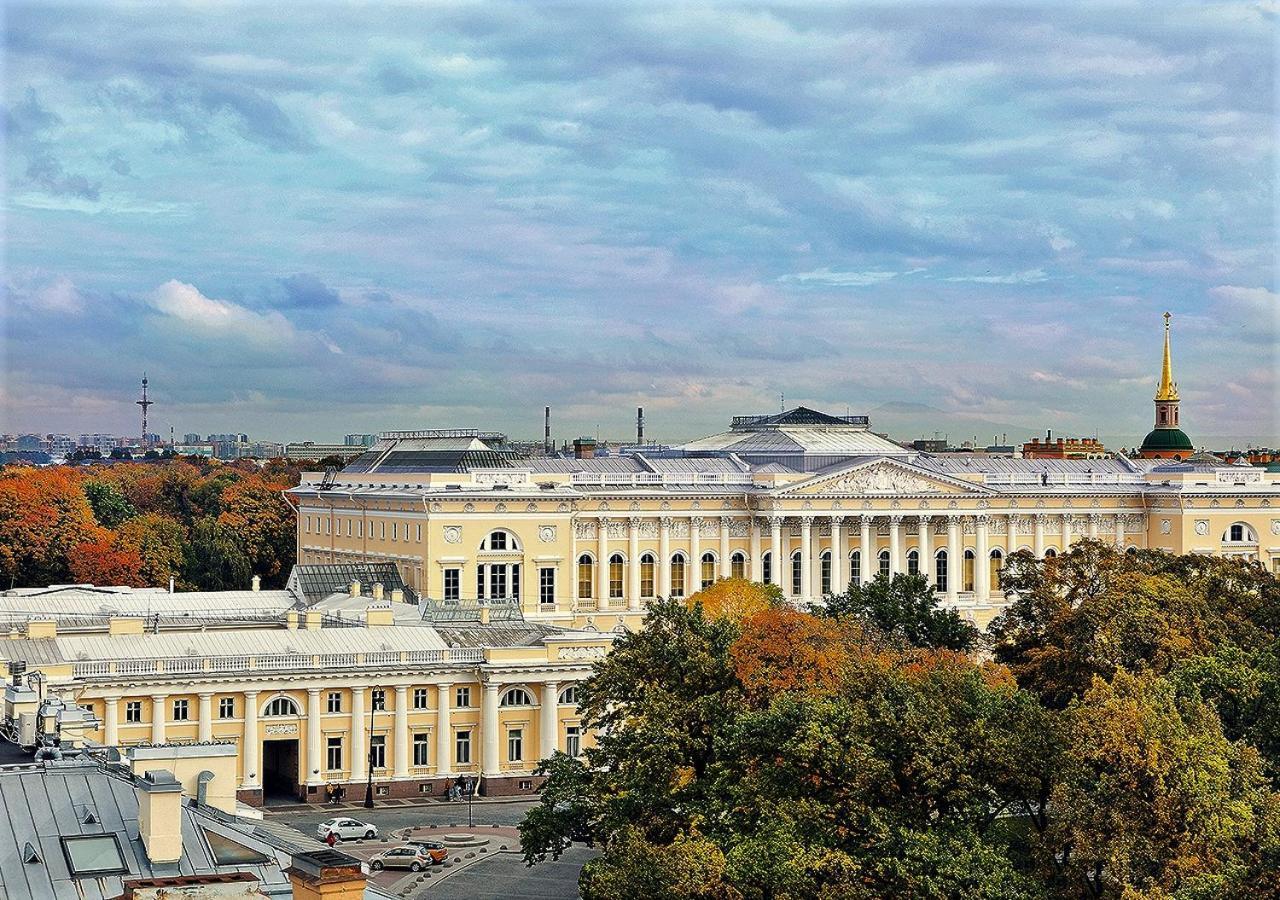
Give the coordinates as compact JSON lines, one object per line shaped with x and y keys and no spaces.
{"x":379,"y":699}
{"x":333,"y":754}
{"x":825,"y":566}
{"x":227,"y":708}
{"x":795,"y":575}
{"x":498,"y":582}
{"x":480,"y":595}
{"x":419,"y":698}
{"x":395,"y":531}
{"x":335,"y":701}
{"x":378,"y":752}
{"x":180,"y":710}
{"x":646,"y":576}
{"x":133,"y":711}
{"x":515,"y":745}
{"x":462,"y":747}
{"x":462,"y":697}
{"x":360,"y":529}
{"x":349,"y":528}
{"x":94,"y":855}
{"x":573,"y":740}
{"x":308,"y":524}
{"x":586,"y":578}
{"x":382,"y":530}
{"x":855,"y":568}
{"x":940,"y":573}
{"x":452,"y":585}
{"x":708,"y":570}
{"x":615,"y":577}
{"x":677,"y":576}
{"x":418,"y":536}
{"x":327,"y":524}
{"x":420,"y":744}
{"x":547,"y":587}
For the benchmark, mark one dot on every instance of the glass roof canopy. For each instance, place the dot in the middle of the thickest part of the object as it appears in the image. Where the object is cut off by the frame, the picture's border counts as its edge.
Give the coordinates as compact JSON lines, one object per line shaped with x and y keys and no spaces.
{"x":314,"y":583}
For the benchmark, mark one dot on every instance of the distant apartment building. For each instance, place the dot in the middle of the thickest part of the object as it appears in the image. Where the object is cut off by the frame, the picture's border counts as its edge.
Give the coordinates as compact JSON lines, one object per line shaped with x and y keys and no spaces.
{"x":103,"y":443}
{"x":312,"y":450}
{"x":61,"y":443}
{"x":191,"y":438}
{"x":360,"y":440}
{"x":1064,"y":448}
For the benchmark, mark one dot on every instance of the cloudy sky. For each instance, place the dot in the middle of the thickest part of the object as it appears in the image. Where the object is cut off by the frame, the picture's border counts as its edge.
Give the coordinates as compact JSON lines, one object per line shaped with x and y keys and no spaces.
{"x":309,"y":219}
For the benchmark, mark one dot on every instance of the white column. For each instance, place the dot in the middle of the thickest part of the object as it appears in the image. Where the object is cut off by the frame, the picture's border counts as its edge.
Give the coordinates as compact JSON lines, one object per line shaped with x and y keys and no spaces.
{"x":1119,"y":532}
{"x":251,"y":743}
{"x":926,"y":548}
{"x":982,"y":563}
{"x":1066,"y":532}
{"x":695,"y":554}
{"x":757,"y":561}
{"x":839,"y":562}
{"x":895,"y":545}
{"x":204,"y":727}
{"x":1094,"y":519}
{"x":955,"y":559}
{"x":548,"y":720}
{"x":359,"y":739}
{"x":633,"y":562}
{"x":1011,"y":544}
{"x":664,"y":556}
{"x":444,"y":734}
{"x":724,"y":547}
{"x":489,"y":730}
{"x":602,"y":564}
{"x":157,"y":717}
{"x":775,"y":548}
{"x":806,"y":571}
{"x":1038,"y":546}
{"x":401,"y":738}
{"x":869,"y":564}
{"x":111,"y":722}
{"x":314,"y":764}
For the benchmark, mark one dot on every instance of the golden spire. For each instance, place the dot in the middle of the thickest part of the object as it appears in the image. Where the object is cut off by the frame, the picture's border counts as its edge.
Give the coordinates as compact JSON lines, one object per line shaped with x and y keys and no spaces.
{"x":1168,"y":390}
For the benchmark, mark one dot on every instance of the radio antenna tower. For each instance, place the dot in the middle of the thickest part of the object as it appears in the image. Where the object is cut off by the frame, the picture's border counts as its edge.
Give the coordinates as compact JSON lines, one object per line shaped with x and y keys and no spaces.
{"x":144,"y":403}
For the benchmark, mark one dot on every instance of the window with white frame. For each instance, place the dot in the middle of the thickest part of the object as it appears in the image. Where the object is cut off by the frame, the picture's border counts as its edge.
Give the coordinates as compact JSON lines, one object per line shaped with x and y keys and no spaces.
{"x":378,"y":751}
{"x":884,"y":563}
{"x":281,"y":706}
{"x":421,"y":742}
{"x":452,"y":585}
{"x":797,"y":574}
{"x":913,"y":562}
{"x":677,"y":575}
{"x":648,"y":565}
{"x":940,"y":571}
{"x":333,"y":754}
{"x":824,"y":565}
{"x":547,"y":586}
{"x":515,"y":744}
{"x":227,"y":708}
{"x":462,"y":748}
{"x":462,"y":697}
{"x":616,"y":564}
{"x":419,"y":698}
{"x":855,"y":567}
{"x":586,"y":577}
{"x":181,"y":710}
{"x":516,"y":697}
{"x":766,"y":567}
{"x":708,"y":574}
{"x":378,"y":699}
{"x":334,"y":702}
{"x":569,"y":696}
{"x":573,"y":740}
{"x":738,"y":565}
{"x":133,"y":711}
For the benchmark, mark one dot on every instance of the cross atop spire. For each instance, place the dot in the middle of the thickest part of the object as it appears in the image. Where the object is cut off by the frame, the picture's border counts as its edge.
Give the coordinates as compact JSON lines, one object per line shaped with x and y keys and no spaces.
{"x":1168,"y":389}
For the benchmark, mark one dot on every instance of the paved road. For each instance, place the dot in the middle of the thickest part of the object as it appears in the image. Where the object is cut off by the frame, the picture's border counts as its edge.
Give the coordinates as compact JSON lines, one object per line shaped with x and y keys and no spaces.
{"x":389,"y":817}
{"x":506,"y":876}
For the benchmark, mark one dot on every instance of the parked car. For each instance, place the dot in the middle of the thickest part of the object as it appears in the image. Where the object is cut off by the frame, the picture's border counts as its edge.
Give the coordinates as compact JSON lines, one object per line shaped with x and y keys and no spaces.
{"x":411,"y":857}
{"x":436,"y":850}
{"x":344,"y":829}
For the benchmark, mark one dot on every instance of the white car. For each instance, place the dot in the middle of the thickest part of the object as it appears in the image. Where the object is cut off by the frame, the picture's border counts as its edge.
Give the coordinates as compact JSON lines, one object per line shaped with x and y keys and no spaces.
{"x":346,"y":830}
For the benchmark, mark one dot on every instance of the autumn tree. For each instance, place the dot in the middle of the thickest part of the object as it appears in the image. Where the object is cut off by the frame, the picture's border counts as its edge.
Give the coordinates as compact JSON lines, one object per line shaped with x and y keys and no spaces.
{"x":213,"y":560}
{"x":159,"y":542}
{"x":1154,"y":800}
{"x":43,"y":514}
{"x":264,"y":525}
{"x":102,"y":562}
{"x":736,"y":599}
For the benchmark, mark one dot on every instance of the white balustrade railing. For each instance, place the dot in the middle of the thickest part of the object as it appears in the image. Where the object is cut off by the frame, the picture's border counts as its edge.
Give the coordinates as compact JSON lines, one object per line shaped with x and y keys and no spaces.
{"x":277,"y":662}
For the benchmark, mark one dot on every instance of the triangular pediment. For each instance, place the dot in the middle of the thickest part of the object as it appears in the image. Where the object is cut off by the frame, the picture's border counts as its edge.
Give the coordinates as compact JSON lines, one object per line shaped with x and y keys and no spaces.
{"x":880,"y":478}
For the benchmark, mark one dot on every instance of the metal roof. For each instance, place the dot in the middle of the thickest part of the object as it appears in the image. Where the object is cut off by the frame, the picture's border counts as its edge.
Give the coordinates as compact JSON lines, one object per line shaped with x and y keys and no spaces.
{"x":89,"y":602}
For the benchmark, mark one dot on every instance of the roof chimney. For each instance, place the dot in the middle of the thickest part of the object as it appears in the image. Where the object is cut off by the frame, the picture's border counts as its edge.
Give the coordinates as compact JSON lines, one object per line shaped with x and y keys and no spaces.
{"x":256,"y":584}
{"x":377,"y":592}
{"x":326,"y":875}
{"x":640,"y":425}
{"x":355,"y":588}
{"x":584,"y":448}
{"x":160,"y":815}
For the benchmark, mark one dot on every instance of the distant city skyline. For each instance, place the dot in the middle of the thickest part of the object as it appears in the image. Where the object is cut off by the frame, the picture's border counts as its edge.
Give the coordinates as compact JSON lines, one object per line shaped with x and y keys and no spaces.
{"x":387,"y":217}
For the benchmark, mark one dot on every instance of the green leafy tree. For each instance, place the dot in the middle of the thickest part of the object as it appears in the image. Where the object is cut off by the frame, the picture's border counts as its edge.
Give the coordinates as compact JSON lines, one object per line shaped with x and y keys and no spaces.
{"x":110,"y":507}
{"x":688,"y":868}
{"x":904,"y":607}
{"x":213,"y":560}
{"x":160,"y":542}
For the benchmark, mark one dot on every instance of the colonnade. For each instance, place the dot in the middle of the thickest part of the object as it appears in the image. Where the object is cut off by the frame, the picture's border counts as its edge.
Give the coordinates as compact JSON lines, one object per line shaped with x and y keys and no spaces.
{"x":869,"y":534}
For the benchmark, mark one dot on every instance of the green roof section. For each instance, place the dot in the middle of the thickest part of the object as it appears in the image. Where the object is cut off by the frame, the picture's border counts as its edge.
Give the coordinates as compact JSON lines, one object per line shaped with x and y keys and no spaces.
{"x":1167,"y":439}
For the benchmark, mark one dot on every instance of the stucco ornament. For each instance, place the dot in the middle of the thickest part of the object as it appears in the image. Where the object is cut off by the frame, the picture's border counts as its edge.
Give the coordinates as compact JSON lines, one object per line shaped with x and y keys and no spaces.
{"x":1202,"y":526}
{"x":452,"y":534}
{"x":1275,"y":526}
{"x":1165,"y":526}
{"x":547,"y":534}
{"x":883,"y":480}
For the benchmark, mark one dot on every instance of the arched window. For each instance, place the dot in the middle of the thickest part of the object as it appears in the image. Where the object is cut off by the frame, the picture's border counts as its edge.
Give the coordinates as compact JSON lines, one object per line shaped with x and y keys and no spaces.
{"x":884,"y":563}
{"x":913,"y":562}
{"x":997,"y":561}
{"x":516,"y":697}
{"x":1050,"y":553}
{"x":281,"y":706}
{"x":615,"y":576}
{"x":940,"y":571}
{"x":968,"y":570}
{"x":738,"y":565}
{"x":1239,"y":533}
{"x":677,"y":575}
{"x":796,"y":573}
{"x":586,"y":577}
{"x":647,"y":566}
{"x":708,"y":570}
{"x":766,"y":567}
{"x":824,"y":566}
{"x":569,"y":696}
{"x":855,"y":567}
{"x":500,"y":539}
{"x":1132,"y":551}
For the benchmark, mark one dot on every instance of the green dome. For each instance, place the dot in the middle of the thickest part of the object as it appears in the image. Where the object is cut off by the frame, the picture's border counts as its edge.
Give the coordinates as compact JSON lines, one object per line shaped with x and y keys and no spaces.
{"x":1167,"y":439}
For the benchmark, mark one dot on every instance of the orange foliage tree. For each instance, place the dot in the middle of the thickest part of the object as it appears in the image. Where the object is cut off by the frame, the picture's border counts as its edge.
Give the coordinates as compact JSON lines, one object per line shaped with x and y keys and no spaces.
{"x":782,"y":649}
{"x":735,"y":599}
{"x":102,"y":562}
{"x":43,"y":514}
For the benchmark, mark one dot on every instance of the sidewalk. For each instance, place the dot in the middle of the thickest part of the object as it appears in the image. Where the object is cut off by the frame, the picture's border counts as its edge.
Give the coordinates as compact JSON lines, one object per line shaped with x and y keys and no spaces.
{"x":392,"y":803}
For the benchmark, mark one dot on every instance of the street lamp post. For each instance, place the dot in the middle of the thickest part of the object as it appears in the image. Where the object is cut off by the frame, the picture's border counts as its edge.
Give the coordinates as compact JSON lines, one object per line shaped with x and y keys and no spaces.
{"x":368,"y":788}
{"x":471,"y":796}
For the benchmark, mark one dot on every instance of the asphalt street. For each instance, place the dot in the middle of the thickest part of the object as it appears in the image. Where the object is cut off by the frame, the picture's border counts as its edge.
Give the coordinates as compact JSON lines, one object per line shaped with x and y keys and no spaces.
{"x":388,"y":817}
